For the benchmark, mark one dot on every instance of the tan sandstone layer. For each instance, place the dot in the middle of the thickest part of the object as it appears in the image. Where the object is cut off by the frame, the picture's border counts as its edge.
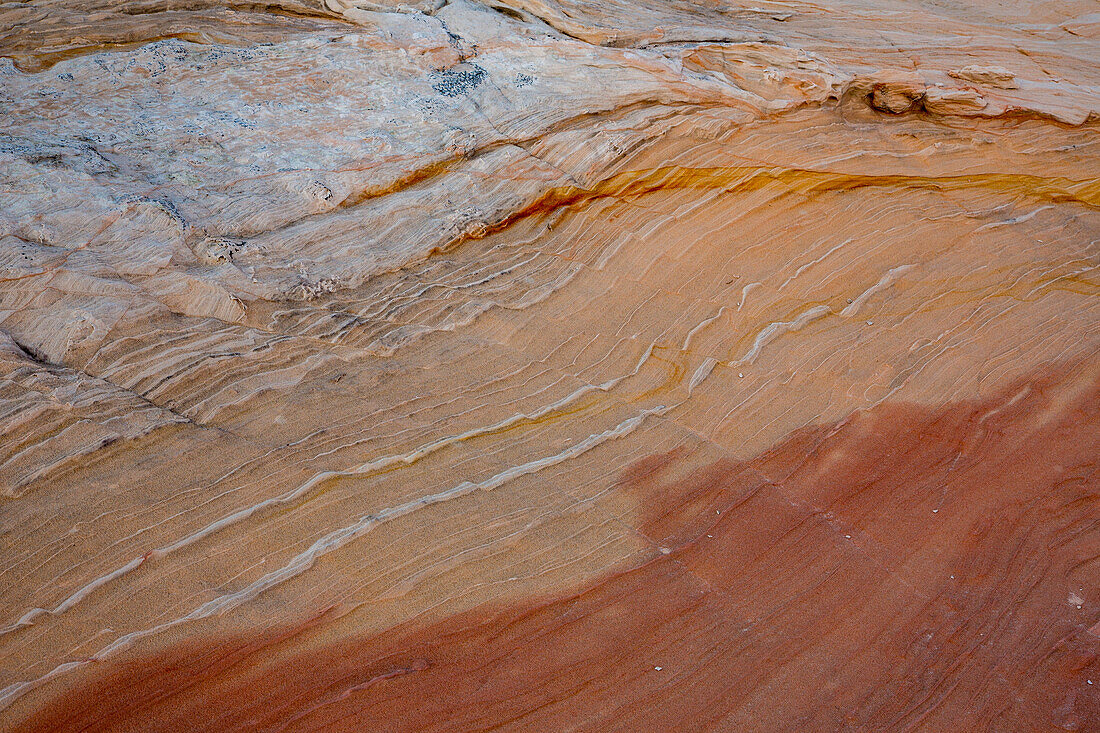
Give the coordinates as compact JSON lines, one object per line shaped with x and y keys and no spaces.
{"x":650,"y":366}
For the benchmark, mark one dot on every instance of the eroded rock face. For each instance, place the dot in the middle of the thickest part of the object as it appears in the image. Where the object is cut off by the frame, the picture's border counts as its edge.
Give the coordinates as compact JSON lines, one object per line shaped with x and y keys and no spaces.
{"x":537,"y":365}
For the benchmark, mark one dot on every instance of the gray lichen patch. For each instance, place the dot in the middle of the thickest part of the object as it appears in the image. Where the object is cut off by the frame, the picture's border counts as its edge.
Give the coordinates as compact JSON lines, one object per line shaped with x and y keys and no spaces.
{"x":461,"y":79}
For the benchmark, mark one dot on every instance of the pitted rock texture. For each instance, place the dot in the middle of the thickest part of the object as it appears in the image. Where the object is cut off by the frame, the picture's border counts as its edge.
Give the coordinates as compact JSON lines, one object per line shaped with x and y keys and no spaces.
{"x":542,"y":366}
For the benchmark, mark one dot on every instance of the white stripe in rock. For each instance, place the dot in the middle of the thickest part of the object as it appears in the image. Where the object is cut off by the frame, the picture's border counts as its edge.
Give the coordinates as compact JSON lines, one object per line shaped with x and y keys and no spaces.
{"x":337,"y":539}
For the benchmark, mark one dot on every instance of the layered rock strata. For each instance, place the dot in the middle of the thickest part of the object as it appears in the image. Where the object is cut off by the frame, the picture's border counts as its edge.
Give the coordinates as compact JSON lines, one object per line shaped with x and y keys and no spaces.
{"x":539,"y":365}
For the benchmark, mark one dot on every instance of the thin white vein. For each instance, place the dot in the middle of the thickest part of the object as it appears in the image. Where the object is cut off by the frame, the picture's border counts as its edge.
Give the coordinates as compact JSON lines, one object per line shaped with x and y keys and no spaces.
{"x":776,"y":329}
{"x":891,"y":277}
{"x":338,"y":538}
{"x":319,"y":478}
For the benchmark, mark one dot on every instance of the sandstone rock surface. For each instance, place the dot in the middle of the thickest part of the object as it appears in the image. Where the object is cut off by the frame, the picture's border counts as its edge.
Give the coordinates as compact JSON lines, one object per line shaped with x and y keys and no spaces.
{"x":538,"y":365}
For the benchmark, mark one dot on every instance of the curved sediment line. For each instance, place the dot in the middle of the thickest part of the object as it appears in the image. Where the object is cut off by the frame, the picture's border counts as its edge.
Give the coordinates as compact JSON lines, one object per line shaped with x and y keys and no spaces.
{"x":142,"y":25}
{"x":304,"y":489}
{"x":744,"y":179}
{"x":809,"y":181}
{"x":338,"y":538}
{"x":334,"y":541}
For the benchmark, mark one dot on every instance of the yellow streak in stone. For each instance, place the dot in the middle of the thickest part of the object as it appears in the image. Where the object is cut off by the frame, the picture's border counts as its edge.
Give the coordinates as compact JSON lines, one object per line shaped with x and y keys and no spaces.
{"x":806,"y":181}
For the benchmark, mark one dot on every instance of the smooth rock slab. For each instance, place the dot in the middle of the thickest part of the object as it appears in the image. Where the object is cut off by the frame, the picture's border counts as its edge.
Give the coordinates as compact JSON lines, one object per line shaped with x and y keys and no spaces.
{"x":538,"y":366}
